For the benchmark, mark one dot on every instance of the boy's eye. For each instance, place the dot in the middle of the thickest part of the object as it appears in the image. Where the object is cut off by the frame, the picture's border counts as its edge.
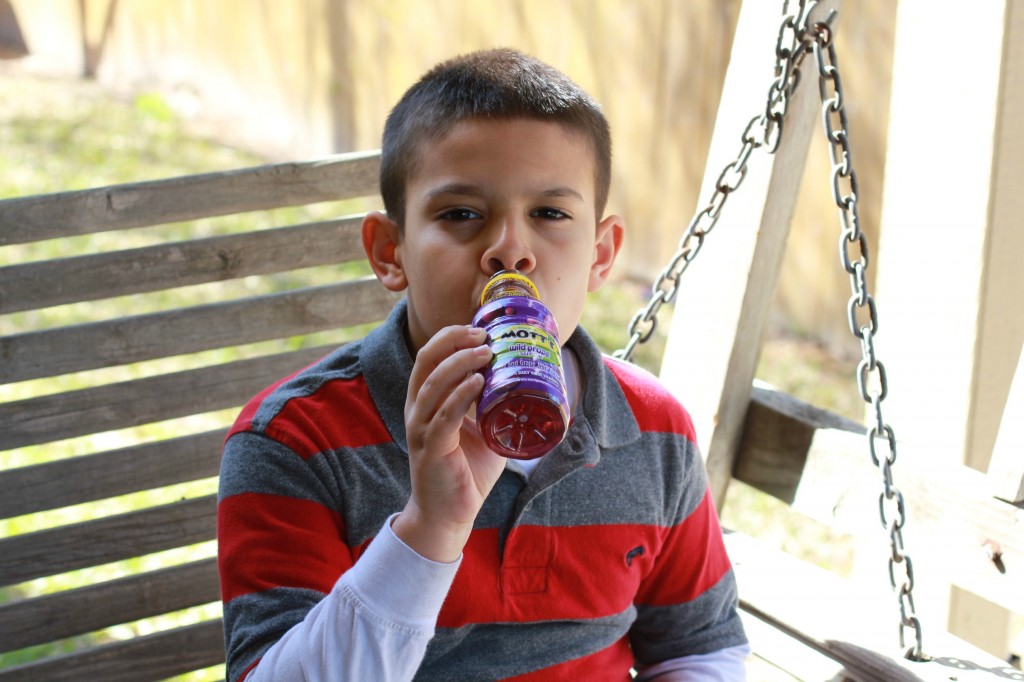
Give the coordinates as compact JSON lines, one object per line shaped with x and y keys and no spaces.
{"x":459,"y":215}
{"x":548,"y":213}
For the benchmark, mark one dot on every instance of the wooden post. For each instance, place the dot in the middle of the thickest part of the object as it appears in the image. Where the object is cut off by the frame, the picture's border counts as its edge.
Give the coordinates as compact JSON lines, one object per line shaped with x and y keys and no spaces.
{"x":12,"y":44}
{"x":949,"y":279}
{"x":1006,"y":472}
{"x":715,"y":337}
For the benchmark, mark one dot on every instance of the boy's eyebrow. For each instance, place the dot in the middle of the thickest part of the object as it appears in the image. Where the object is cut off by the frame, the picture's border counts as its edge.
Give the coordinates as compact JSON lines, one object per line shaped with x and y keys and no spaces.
{"x":458,"y":188}
{"x":556,"y":192}
{"x":466,"y":189}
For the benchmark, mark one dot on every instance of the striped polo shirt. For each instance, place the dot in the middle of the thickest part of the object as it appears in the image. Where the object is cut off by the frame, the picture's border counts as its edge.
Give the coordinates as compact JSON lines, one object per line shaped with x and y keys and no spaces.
{"x":609,"y":554}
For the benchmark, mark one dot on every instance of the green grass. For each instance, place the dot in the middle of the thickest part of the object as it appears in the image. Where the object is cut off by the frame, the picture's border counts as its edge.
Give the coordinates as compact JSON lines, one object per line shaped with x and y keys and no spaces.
{"x":59,"y":135}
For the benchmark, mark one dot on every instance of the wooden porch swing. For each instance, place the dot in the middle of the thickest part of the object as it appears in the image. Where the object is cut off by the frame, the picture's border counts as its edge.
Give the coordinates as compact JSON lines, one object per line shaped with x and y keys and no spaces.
{"x":783,"y":446}
{"x":119,"y":415}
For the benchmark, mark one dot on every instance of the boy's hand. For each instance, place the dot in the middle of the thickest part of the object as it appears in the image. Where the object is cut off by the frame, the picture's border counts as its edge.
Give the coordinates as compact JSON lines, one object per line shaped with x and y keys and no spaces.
{"x":452,"y":470}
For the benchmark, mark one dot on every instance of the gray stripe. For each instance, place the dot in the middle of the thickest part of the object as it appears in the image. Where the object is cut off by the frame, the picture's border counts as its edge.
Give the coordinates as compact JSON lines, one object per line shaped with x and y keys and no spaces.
{"x":367,"y":485}
{"x":364,"y":486}
{"x":253,"y":463}
{"x":658,"y":479}
{"x":496,"y":651}
{"x":387,"y":365}
{"x":710,"y":622}
{"x":253,"y":622}
{"x":605,"y":407}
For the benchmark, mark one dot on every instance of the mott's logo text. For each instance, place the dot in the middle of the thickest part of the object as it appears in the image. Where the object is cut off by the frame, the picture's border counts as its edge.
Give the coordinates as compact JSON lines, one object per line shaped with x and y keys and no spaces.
{"x":533,"y":336}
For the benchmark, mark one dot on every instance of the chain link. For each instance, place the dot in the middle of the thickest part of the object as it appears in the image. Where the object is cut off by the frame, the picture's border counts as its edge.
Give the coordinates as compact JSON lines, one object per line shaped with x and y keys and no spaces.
{"x":763,"y":130}
{"x":862,"y":315}
{"x":797,"y":38}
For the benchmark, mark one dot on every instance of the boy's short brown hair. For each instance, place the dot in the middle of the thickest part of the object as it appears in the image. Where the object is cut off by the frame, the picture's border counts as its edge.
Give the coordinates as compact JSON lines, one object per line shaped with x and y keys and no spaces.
{"x":492,"y":84}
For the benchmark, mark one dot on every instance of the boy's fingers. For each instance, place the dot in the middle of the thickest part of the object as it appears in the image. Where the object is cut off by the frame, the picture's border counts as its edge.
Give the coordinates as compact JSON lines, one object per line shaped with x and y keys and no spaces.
{"x":448,"y":418}
{"x":443,"y":346}
{"x":448,"y":382}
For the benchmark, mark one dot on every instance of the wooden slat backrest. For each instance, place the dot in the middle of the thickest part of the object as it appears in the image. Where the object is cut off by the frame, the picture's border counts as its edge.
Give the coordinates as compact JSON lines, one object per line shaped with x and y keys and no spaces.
{"x":141,"y":401}
{"x":191,"y":197}
{"x":150,"y":657}
{"x":130,"y":336}
{"x":86,"y":278}
{"x":52,"y":352}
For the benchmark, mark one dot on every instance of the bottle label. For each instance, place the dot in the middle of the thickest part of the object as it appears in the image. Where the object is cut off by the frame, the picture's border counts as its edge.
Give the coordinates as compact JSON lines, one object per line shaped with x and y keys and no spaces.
{"x":524,"y":340}
{"x":526,"y":354}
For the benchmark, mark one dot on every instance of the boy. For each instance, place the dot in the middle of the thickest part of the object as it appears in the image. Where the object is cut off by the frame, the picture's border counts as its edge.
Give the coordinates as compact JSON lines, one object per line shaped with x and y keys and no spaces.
{"x":601,"y":556}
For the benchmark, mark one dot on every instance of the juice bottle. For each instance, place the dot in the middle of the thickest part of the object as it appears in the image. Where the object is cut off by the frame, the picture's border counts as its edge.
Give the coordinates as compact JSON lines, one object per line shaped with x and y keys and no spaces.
{"x":523,"y":411}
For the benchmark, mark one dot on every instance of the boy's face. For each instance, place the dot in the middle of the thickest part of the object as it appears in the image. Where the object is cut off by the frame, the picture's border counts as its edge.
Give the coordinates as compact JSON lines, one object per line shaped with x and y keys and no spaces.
{"x":498,"y":195}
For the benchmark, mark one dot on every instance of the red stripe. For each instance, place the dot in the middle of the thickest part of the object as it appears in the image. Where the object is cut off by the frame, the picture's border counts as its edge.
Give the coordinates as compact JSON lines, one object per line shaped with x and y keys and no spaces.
{"x":549,"y":573}
{"x":268,"y":541}
{"x":244,"y":420}
{"x":689,"y":573}
{"x":340,"y":414}
{"x":610,"y":664}
{"x":653,"y":406}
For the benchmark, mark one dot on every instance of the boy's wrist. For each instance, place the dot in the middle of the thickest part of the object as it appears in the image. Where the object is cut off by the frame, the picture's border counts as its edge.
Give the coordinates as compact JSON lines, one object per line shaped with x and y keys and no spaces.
{"x":442,"y":543}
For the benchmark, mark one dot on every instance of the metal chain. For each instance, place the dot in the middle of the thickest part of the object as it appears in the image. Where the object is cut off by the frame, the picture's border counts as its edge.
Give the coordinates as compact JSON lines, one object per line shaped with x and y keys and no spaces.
{"x":763,"y":130}
{"x":796,"y":39}
{"x":862,"y":316}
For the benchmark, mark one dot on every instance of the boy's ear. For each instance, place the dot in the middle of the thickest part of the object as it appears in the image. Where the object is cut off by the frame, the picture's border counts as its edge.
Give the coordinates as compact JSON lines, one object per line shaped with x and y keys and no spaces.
{"x":380,"y":241}
{"x":609,"y":240}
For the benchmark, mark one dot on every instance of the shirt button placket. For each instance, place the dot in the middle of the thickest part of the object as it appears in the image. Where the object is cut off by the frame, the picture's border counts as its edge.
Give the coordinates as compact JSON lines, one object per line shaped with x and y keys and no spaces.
{"x":528,"y":551}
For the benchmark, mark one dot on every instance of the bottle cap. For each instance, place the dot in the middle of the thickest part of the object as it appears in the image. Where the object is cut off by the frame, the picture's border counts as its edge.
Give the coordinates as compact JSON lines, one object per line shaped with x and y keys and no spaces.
{"x":508,"y":283}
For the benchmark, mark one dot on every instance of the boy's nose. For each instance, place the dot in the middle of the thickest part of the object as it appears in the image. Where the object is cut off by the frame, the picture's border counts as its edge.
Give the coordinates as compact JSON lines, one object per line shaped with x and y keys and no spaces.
{"x":509,"y":250}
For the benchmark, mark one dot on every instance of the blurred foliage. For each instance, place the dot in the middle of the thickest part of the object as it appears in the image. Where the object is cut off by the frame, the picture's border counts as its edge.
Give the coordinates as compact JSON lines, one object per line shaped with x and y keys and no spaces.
{"x":59,"y":136}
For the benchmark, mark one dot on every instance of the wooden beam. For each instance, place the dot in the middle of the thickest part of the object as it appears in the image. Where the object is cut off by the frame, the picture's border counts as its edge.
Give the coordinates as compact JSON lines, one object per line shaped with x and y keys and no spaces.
{"x":1006,"y":471}
{"x":951,"y":224}
{"x":157,"y":202}
{"x":178,"y":264}
{"x":83,"y":610}
{"x":949,"y":281}
{"x":955,"y":526}
{"x":109,"y":538}
{"x":781,"y":651}
{"x":777,"y":435}
{"x":850,"y":624}
{"x":49,"y":418}
{"x":151,"y":657}
{"x":715,"y":338}
{"x":134,"y":338}
{"x":87,"y":478}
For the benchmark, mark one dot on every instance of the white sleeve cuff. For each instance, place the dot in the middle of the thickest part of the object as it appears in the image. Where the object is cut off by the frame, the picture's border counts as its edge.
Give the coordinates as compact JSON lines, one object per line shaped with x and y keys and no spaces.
{"x":397,"y":584}
{"x":724,"y":665}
